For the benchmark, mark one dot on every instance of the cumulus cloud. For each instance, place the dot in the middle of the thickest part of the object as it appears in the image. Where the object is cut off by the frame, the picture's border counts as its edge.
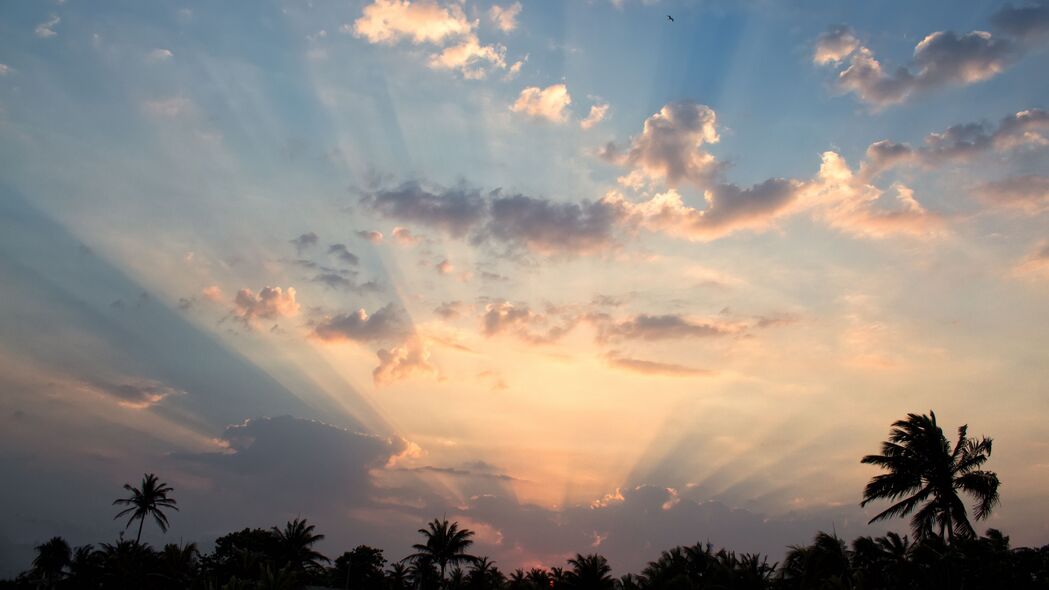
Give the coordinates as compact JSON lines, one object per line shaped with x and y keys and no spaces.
{"x":46,"y":29}
{"x":304,"y":241}
{"x":1036,"y":264}
{"x":401,"y":362}
{"x":454,"y":211}
{"x":845,"y":201}
{"x":5,"y":69}
{"x":385,"y":324}
{"x":423,"y":21}
{"x":470,"y":58}
{"x":212,"y":293}
{"x":268,"y":304}
{"x":550,"y":103}
{"x":1028,"y":193}
{"x":428,"y":22}
{"x":669,"y":148}
{"x":505,"y":17}
{"x":657,"y":368}
{"x":960,"y":142}
{"x":728,"y":208}
{"x":549,"y":228}
{"x":940,"y":59}
{"x":598,"y":112}
{"x":1029,"y":23}
{"x":529,"y":326}
{"x":404,"y":236}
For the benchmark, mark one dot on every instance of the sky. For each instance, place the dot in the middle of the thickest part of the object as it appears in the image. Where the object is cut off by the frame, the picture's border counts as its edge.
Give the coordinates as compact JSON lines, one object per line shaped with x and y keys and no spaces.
{"x":574,"y":275}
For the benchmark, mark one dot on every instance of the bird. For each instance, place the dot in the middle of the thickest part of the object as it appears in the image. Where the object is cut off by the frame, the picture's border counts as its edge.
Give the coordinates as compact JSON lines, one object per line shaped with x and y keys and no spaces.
{"x":670,"y":18}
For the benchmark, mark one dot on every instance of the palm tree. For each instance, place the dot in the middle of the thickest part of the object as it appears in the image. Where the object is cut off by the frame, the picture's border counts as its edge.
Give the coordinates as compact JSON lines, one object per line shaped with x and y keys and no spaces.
{"x":925,"y":471}
{"x":295,"y":544}
{"x":590,"y":572}
{"x":148,"y":500}
{"x":445,"y":544}
{"x":51,"y":561}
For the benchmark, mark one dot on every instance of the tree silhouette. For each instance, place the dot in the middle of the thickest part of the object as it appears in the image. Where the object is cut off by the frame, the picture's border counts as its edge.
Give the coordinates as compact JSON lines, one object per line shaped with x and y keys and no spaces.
{"x":590,"y":572}
{"x":445,"y":544}
{"x":295,"y":546}
{"x":52,"y":558}
{"x":925,"y":472}
{"x":150,"y":499}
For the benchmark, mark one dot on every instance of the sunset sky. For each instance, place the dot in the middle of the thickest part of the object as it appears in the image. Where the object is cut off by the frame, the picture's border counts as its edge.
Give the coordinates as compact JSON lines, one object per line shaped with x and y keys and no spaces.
{"x":574,"y":275}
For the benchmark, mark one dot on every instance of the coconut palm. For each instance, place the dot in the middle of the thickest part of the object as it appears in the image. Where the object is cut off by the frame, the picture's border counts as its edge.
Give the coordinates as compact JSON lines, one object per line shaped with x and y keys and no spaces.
{"x":445,"y":544}
{"x":52,"y":558}
{"x":928,"y":475}
{"x":590,"y":572}
{"x":295,"y":546}
{"x":149,"y":499}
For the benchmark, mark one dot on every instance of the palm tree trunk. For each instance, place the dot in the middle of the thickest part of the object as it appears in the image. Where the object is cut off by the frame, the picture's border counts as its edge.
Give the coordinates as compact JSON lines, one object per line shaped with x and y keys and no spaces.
{"x":950,"y":528}
{"x":138,"y":537}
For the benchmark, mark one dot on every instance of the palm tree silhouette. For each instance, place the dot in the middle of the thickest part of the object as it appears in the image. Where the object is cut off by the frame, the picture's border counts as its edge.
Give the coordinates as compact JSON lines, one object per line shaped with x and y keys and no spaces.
{"x":51,"y":561}
{"x":923,"y":469}
{"x":590,"y":572}
{"x":295,"y":543}
{"x":148,"y":500}
{"x":445,"y":544}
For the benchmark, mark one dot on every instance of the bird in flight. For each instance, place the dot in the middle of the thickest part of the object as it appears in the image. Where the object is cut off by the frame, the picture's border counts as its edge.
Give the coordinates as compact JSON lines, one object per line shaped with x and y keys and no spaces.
{"x":670,"y":18}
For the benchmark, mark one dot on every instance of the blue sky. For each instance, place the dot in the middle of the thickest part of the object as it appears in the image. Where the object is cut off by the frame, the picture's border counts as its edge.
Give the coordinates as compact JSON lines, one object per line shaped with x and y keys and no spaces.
{"x":567,"y":271}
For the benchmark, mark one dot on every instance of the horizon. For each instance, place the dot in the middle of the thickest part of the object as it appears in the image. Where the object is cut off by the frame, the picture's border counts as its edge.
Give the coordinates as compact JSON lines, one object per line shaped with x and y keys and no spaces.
{"x":572,"y":273}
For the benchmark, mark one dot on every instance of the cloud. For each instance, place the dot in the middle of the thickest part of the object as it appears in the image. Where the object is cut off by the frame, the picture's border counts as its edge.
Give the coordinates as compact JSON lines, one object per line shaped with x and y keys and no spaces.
{"x":374,"y":237}
{"x":549,"y":103}
{"x":5,"y":69}
{"x":847,"y":202}
{"x":529,"y":326}
{"x":1029,"y":193}
{"x":453,"y":210}
{"x":1036,"y":264}
{"x":304,"y":241}
{"x":212,"y":293}
{"x":470,"y":57}
{"x":159,"y":55}
{"x":549,"y":228}
{"x":342,"y":253}
{"x":46,"y":29}
{"x":669,"y":148}
{"x":426,"y":21}
{"x":598,"y":112}
{"x":1028,"y":23}
{"x":385,"y":324}
{"x":835,"y":45}
{"x":423,"y":21}
{"x":661,"y":327}
{"x":450,"y":310}
{"x":269,"y":304}
{"x":444,"y":267}
{"x":728,"y":209}
{"x":941,"y":59}
{"x":401,"y":362}
{"x":137,"y":394}
{"x":404,"y":236}
{"x":653,"y":367}
{"x":961,"y":142}
{"x":505,"y":17}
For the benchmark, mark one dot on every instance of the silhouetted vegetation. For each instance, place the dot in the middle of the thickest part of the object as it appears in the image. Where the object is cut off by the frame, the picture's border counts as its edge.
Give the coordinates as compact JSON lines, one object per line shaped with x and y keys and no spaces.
{"x":924,"y":475}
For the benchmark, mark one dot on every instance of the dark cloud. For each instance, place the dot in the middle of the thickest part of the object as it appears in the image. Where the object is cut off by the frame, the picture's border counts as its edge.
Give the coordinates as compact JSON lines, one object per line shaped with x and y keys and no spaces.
{"x":450,"y":310}
{"x":528,"y":325}
{"x":386,"y":323}
{"x":374,"y":237}
{"x":545,"y":227}
{"x":137,"y":394}
{"x":342,"y":253}
{"x":454,"y":211}
{"x":305,"y":241}
{"x":1029,"y":23}
{"x":942,"y":58}
{"x":1026,"y":193}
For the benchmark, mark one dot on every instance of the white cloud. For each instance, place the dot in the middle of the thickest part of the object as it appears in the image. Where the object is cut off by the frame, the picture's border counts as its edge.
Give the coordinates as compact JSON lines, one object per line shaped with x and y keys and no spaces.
{"x":598,"y":112}
{"x":470,"y":57}
{"x":158,"y":55}
{"x":505,"y":17}
{"x":423,"y":21}
{"x":549,"y":103}
{"x":47,"y":28}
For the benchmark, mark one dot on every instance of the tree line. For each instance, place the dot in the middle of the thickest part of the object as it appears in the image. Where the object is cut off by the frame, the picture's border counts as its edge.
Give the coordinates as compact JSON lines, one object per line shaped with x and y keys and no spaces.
{"x":924,"y":477}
